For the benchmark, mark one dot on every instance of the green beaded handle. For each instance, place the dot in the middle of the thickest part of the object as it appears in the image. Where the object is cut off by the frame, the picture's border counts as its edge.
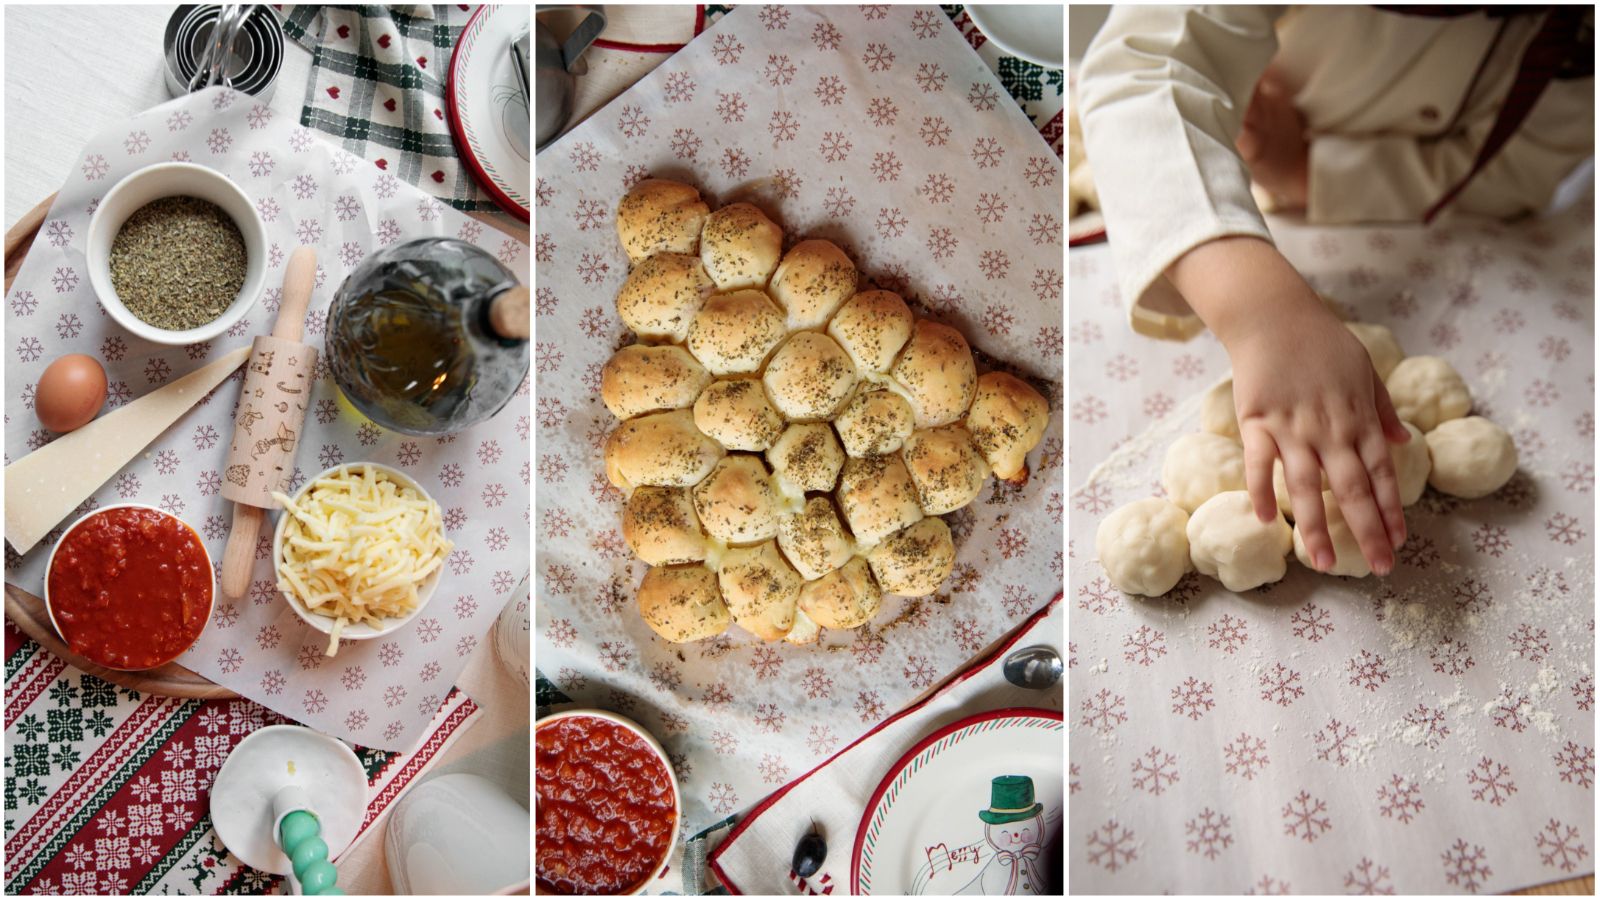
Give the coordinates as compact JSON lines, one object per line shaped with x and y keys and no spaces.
{"x":300,"y":837}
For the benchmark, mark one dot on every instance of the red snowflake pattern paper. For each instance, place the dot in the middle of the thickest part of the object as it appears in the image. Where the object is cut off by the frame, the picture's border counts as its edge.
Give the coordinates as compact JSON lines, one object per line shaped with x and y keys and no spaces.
{"x":843,"y":126}
{"x":379,"y":693}
{"x":1432,"y":732}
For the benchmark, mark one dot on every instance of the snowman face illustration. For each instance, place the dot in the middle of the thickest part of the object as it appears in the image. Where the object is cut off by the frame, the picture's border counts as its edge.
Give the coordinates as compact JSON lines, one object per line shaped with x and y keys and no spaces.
{"x":1015,"y":836}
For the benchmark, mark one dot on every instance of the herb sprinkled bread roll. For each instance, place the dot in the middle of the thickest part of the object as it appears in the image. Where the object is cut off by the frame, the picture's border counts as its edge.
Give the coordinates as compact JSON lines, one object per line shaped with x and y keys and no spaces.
{"x":661,"y":526}
{"x":736,"y":503}
{"x":915,"y":561}
{"x":733,"y":333}
{"x":641,"y":379}
{"x":810,"y":377}
{"x":660,"y":449}
{"x":740,"y":247}
{"x":872,"y":327}
{"x":737,"y":413}
{"x":814,"y":539}
{"x":877,"y":497}
{"x":807,"y":456}
{"x":661,"y":296}
{"x":1007,"y":420}
{"x":876,"y":421}
{"x":760,"y":589}
{"x":843,"y":599}
{"x":683,"y":603}
{"x":946,"y":467}
{"x":938,"y":372}
{"x":658,"y":215}
{"x":813,"y":279}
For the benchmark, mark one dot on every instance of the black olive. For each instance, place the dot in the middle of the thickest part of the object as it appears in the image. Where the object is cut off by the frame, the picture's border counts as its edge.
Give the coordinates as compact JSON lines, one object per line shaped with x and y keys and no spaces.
{"x":809,"y":854}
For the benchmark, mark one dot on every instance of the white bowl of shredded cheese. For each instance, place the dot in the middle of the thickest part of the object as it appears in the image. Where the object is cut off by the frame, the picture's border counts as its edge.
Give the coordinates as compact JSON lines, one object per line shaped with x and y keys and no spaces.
{"x":358,"y":551}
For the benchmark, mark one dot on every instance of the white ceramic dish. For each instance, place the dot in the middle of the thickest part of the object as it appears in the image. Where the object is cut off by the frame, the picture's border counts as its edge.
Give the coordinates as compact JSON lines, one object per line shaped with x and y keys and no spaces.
{"x":323,"y":623}
{"x":51,"y":562}
{"x":661,"y":754}
{"x":487,"y":114}
{"x":1036,"y":33}
{"x":173,"y":180}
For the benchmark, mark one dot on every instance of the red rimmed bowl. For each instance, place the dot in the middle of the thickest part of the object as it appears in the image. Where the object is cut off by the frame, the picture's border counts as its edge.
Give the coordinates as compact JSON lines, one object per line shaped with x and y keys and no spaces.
{"x":607,"y":806}
{"x":129,"y":587}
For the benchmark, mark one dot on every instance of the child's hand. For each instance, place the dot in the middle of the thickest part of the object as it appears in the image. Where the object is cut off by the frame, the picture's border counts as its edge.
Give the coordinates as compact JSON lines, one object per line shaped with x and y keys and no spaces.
{"x":1305,"y":391}
{"x":1273,"y":143}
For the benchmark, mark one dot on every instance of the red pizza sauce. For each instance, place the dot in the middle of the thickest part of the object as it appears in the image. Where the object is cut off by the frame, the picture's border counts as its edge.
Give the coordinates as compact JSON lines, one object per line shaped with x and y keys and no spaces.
{"x":130,"y":588}
{"x":605,"y":807}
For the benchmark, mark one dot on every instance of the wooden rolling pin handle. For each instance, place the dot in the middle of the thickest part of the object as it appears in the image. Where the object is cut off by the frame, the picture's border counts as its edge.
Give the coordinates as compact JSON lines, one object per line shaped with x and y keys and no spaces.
{"x":240,"y":555}
{"x":508,"y":314}
{"x":299,"y":279}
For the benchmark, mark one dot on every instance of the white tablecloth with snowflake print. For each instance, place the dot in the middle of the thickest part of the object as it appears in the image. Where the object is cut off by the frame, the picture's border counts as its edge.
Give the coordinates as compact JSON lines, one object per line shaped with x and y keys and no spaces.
{"x":379,"y":693}
{"x":878,"y":129}
{"x":1429,"y":732}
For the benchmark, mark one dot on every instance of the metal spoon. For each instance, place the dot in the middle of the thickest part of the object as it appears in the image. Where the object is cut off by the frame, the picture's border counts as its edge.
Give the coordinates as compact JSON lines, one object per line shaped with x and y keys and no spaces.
{"x":1037,"y":667}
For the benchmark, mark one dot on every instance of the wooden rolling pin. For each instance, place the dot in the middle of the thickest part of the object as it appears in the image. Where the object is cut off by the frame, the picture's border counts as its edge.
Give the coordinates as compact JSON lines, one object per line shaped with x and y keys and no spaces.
{"x":266,"y":429}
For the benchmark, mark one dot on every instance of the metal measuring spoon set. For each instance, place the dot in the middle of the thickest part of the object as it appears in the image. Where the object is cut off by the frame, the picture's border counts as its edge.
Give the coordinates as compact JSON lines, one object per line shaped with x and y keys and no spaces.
{"x":235,"y":45}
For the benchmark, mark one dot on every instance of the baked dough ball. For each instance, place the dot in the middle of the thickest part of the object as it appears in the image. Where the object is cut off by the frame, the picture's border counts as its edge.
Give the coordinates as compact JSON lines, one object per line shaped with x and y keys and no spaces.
{"x":1007,"y":420}
{"x":736,"y":503}
{"x":1217,"y":413}
{"x":914,"y":561}
{"x":814,"y":540}
{"x":1412,"y":464}
{"x":657,"y":215}
{"x":1427,"y":391}
{"x":939,"y":375}
{"x":737,"y":413}
{"x":1200,"y":466}
{"x":1380,"y":344}
{"x":660,"y":449}
{"x":876,"y":421}
{"x":807,"y":457}
{"x":661,"y":296}
{"x":1144,"y":547}
{"x":810,"y":377}
{"x":844,"y":598}
{"x":1347,"y":557}
{"x":872,"y":327}
{"x":733,"y":333}
{"x":641,"y":379}
{"x":1227,"y":542}
{"x":813,"y":279}
{"x":740,"y":247}
{"x":760,"y":589}
{"x":661,"y":527}
{"x":1472,"y":457}
{"x":877,"y":497}
{"x":682,"y":603}
{"x":1280,"y":488}
{"x":804,"y":631}
{"x":946,"y":468}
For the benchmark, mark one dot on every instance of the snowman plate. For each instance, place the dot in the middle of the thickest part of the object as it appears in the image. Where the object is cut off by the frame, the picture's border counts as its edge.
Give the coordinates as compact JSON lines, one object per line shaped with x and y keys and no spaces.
{"x":973,"y":809}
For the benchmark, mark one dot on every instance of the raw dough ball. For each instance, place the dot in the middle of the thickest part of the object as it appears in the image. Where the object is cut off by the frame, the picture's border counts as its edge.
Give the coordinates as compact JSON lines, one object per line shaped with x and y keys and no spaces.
{"x":1380,"y":344}
{"x":1427,"y":391}
{"x":1228,"y":542}
{"x":1412,"y":464}
{"x":1472,"y":457}
{"x":1347,"y":557}
{"x":1217,"y":414}
{"x":1199,"y":466}
{"x":1143,"y":546}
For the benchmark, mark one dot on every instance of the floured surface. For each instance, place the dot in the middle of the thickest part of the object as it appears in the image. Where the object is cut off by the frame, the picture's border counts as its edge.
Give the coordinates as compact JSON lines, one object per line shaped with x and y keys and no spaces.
{"x":753,"y":110}
{"x":1429,"y":732}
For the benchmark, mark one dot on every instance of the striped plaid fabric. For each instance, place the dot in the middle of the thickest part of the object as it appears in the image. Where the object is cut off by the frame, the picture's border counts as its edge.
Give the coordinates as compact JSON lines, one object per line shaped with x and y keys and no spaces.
{"x":378,"y":88}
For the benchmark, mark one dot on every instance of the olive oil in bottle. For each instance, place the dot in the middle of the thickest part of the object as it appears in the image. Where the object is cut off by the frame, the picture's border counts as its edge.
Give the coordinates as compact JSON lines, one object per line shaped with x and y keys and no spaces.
{"x":429,"y":337}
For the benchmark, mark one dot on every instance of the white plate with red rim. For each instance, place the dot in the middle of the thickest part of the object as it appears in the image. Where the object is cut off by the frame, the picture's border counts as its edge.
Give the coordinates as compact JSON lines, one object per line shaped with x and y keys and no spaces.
{"x":976,"y":805}
{"x":488,"y":116}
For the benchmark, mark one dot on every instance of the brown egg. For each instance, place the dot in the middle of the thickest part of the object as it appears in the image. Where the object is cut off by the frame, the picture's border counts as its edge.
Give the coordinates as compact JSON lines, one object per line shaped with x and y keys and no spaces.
{"x":70,"y":393}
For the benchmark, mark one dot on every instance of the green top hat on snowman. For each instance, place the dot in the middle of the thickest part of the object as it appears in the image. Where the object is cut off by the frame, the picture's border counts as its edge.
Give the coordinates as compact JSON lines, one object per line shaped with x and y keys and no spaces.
{"x":1010,"y":800}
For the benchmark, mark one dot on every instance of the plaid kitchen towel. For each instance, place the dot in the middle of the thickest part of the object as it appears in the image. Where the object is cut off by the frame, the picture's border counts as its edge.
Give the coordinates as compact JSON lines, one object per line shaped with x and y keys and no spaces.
{"x":378,"y":78}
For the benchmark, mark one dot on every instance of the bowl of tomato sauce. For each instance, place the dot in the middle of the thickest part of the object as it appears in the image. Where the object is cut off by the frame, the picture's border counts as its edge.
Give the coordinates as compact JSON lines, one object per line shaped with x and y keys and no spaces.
{"x":129,"y":587}
{"x":606,"y":806}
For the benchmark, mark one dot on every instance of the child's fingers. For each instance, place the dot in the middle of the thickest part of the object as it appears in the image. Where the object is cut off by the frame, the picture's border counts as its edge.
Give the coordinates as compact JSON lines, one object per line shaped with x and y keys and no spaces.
{"x":1259,"y":452}
{"x":1393,"y":428}
{"x":1249,"y":142}
{"x":1385,"y":485}
{"x":1303,"y":475}
{"x":1347,"y":476}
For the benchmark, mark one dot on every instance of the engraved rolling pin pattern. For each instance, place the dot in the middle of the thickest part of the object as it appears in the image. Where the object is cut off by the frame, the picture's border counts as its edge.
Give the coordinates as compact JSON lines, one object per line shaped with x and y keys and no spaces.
{"x":788,"y":444}
{"x":267,"y":426}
